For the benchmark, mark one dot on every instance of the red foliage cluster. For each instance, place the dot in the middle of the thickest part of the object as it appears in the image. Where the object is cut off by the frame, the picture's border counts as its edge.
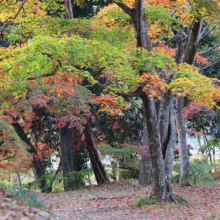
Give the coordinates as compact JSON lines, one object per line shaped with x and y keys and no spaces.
{"x":195,"y":110}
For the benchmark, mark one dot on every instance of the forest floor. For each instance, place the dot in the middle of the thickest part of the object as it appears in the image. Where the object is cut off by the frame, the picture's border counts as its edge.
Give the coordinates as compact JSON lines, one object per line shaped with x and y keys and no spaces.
{"x":118,"y":200}
{"x":11,"y":208}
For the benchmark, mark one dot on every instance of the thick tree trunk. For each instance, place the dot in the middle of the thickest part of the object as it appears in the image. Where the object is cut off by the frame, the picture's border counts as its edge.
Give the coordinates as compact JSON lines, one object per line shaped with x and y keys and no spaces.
{"x":158,"y":169}
{"x":39,"y":169}
{"x":158,"y":138}
{"x":98,"y":168}
{"x":69,"y":9}
{"x":169,"y":154}
{"x":146,"y":165}
{"x":164,"y":120}
{"x":67,"y":157}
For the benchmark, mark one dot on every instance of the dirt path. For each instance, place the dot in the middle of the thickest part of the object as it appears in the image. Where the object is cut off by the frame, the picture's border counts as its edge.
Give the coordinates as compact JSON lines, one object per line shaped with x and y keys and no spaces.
{"x":118,"y":201}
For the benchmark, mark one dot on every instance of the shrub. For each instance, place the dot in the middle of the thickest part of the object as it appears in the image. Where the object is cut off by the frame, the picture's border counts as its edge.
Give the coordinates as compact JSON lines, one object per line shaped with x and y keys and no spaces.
{"x":198,"y":173}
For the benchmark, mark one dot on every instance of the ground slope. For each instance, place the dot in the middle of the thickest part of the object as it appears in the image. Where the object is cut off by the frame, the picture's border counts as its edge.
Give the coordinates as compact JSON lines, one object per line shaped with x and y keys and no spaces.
{"x":118,"y":201}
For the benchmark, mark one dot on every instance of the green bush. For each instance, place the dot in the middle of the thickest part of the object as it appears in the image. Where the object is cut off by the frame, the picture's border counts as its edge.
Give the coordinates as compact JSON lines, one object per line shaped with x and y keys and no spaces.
{"x":5,"y":183}
{"x":198,"y":173}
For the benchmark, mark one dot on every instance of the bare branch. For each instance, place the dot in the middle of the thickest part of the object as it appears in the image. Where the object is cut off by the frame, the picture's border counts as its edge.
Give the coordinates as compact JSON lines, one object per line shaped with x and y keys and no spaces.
{"x":210,"y":49}
{"x":204,"y":35}
{"x":206,"y":27}
{"x":204,"y":68}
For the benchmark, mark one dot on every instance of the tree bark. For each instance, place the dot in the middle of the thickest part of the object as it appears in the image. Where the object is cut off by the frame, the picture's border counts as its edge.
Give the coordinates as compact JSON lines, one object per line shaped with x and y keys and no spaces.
{"x":146,"y":165}
{"x":114,"y":166}
{"x":184,"y":156}
{"x":170,"y":151}
{"x":69,"y":9}
{"x":39,"y":168}
{"x":192,"y":41}
{"x":67,"y":157}
{"x":98,"y":168}
{"x":158,"y":169}
{"x":164,"y":120}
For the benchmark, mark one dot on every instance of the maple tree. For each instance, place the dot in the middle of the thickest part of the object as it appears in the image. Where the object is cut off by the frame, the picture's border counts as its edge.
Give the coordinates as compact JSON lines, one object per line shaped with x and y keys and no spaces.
{"x":121,"y":51}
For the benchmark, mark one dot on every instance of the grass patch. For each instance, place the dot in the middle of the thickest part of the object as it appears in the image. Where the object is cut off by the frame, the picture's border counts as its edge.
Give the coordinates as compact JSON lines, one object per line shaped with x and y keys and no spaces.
{"x":182,"y":198}
{"x":145,"y":202}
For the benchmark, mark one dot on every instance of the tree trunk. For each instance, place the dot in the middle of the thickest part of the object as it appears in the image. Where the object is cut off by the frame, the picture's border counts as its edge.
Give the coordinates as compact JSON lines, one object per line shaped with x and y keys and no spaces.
{"x":69,"y":9}
{"x":98,"y":168}
{"x":170,"y":151}
{"x":19,"y":178}
{"x":161,"y":187}
{"x":158,"y":135}
{"x":158,"y":169}
{"x":146,"y":165}
{"x":184,"y":156}
{"x":67,"y":157}
{"x":39,"y":169}
{"x":164,"y":120}
{"x":114,"y":166}
{"x":77,"y":157}
{"x":185,"y":54}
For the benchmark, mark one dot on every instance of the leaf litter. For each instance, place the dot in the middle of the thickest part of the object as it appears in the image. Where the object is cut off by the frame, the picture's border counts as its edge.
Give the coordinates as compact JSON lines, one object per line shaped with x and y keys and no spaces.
{"x":118,"y":200}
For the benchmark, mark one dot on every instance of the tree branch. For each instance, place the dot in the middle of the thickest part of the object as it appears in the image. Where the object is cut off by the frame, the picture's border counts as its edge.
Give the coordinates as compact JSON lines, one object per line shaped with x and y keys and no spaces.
{"x":204,"y":35}
{"x":211,"y":49}
{"x":20,"y":7}
{"x":125,"y":8}
{"x":169,"y":40}
{"x":206,"y":27}
{"x":204,"y":68}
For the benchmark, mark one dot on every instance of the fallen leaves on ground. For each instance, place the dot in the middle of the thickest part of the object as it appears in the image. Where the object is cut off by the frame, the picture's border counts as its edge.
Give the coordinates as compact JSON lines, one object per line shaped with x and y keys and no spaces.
{"x":118,"y":200}
{"x":13,"y":209}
